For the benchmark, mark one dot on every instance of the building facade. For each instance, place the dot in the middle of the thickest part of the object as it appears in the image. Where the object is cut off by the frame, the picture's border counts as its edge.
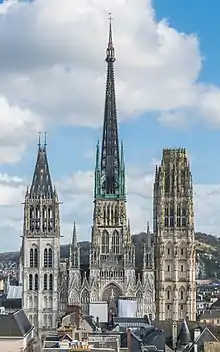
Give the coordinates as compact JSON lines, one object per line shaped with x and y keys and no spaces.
{"x":175,"y":257}
{"x":40,"y":250}
{"x":112,"y":254}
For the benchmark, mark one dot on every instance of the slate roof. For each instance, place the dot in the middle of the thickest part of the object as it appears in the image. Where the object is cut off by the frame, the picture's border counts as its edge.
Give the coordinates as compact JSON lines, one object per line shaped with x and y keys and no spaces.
{"x":14,"y":325}
{"x":41,"y":184}
{"x":184,"y":336}
{"x":216,"y":305}
{"x":210,"y":314}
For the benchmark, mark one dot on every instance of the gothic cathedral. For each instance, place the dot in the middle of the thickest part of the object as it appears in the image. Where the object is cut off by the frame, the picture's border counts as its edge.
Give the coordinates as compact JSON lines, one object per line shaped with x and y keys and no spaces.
{"x":165,"y":289}
{"x":112,"y":254}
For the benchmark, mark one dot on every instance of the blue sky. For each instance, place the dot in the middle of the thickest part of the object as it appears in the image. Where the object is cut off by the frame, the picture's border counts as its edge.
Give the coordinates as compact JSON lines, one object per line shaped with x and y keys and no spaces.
{"x":72,"y":117}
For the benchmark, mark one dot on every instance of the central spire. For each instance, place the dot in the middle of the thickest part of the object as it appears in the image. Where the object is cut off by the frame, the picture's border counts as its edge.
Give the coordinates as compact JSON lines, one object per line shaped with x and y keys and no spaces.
{"x":110,"y":171}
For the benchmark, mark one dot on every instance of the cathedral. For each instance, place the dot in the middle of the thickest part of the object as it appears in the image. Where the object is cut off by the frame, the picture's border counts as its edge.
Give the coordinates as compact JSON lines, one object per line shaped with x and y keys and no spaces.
{"x":165,"y":288}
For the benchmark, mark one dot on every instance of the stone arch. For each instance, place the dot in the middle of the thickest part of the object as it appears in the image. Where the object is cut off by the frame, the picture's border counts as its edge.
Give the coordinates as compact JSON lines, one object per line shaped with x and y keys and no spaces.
{"x":94,"y":295}
{"x":34,"y":256}
{"x":169,"y":250}
{"x":116,"y":242}
{"x":85,"y":298}
{"x":105,"y":242}
{"x":169,"y":294}
{"x":182,"y":293}
{"x":110,"y":290}
{"x":182,"y":249}
{"x":48,"y":256}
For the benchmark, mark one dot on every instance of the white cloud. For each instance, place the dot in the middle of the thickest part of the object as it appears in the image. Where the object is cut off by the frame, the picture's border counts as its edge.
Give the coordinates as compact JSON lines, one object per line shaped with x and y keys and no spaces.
{"x":59,"y":67}
{"x":17,"y":126}
{"x":76,"y":194}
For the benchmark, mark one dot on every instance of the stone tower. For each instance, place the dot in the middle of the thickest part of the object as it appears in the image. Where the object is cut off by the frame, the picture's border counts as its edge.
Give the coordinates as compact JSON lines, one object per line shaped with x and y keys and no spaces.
{"x":41,"y":248}
{"x":112,"y":257}
{"x":175,"y":257}
{"x":112,"y":253}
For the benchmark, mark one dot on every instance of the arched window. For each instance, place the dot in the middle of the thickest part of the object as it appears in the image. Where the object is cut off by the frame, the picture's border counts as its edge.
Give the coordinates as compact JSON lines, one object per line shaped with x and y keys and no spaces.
{"x":45,"y":320}
{"x":35,"y":320}
{"x":105,"y":242}
{"x":45,"y":281}
{"x":50,"y":303}
{"x":35,"y":302}
{"x":85,"y":301}
{"x":30,"y":305}
{"x":169,"y":294}
{"x":50,"y":258}
{"x":45,"y":257}
{"x":182,"y":293}
{"x":51,"y":282}
{"x":36,"y":282}
{"x":35,"y":257}
{"x":116,"y":242}
{"x":30,"y":282}
{"x":31,"y":319}
{"x":45,"y":302}
{"x":50,"y":321}
{"x":31,"y":258}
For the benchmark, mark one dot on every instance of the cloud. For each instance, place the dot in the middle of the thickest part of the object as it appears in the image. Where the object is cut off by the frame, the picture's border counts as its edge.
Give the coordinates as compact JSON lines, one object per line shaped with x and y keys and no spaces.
{"x":17,"y":126}
{"x":59,"y":68}
{"x":76,"y":194}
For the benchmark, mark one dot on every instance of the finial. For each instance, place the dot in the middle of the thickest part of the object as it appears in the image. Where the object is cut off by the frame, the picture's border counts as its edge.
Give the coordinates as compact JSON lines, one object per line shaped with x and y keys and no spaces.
{"x":110,"y":54}
{"x":39,"y":140}
{"x":74,"y":240}
{"x":148,"y":227}
{"x":45,"y":139}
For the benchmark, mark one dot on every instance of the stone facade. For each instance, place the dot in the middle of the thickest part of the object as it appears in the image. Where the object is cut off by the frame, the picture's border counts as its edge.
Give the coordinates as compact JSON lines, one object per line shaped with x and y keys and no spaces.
{"x":175,"y":258}
{"x":40,"y":252}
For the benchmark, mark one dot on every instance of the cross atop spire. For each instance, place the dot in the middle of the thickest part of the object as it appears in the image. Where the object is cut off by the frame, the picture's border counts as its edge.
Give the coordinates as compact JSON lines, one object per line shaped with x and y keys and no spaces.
{"x":110,"y":52}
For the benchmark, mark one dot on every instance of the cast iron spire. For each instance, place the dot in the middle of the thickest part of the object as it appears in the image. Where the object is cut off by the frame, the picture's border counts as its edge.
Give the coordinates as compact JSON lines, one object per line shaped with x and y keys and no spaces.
{"x":110,"y":159}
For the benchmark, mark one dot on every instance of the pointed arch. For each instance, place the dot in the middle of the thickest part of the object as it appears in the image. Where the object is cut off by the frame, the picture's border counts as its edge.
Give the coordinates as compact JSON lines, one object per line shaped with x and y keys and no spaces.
{"x":105,"y":242}
{"x":30,"y":282}
{"x":45,"y":320}
{"x":30,"y":319}
{"x":45,"y":282}
{"x":35,"y":320}
{"x":111,"y":289}
{"x":36,"y":283}
{"x":182,"y":249}
{"x":169,"y":250}
{"x":31,"y":258}
{"x":182,"y":293}
{"x":48,"y":256}
{"x":50,"y":320}
{"x":85,"y":298}
{"x":30,"y":302}
{"x":116,"y":242}
{"x":51,"y":282}
{"x":169,"y":294}
{"x":45,"y":302}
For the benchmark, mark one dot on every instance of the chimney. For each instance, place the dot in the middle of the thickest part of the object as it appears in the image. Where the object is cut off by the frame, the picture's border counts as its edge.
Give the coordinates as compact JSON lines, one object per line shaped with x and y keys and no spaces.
{"x":129,"y":339}
{"x":197,"y":333}
{"x":174,"y":334}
